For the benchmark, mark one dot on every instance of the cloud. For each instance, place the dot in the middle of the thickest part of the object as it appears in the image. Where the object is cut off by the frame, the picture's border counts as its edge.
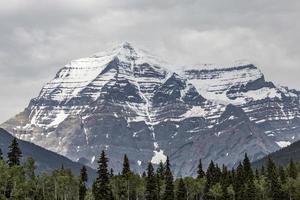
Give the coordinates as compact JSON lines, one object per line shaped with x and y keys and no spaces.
{"x":38,"y":38}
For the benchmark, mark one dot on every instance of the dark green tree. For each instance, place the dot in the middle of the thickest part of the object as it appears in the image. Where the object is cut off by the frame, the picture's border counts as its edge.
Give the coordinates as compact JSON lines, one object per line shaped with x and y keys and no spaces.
{"x":82,"y":183}
{"x":200,"y":172}
{"x":282,"y":175}
{"x":160,"y":170}
{"x":126,"y":166}
{"x":210,"y":180}
{"x":1,"y":154}
{"x":239,"y":182}
{"x":181,"y":192}
{"x":169,"y":184}
{"x":275,"y":192}
{"x":14,"y":154}
{"x":151,"y":187}
{"x":248,"y":172}
{"x":292,"y":170}
{"x":101,"y":187}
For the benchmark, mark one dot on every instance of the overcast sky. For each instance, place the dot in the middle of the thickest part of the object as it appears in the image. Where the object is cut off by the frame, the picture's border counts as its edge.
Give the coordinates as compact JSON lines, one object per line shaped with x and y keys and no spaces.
{"x":38,"y":37}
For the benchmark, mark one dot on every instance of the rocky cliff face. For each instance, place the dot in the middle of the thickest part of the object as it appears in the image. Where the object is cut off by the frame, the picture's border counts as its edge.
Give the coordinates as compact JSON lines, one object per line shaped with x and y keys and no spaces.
{"x":126,"y":101}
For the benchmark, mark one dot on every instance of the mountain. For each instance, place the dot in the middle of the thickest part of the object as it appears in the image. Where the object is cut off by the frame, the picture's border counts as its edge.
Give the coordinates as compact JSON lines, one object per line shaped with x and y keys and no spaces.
{"x":125,"y":100}
{"x":283,"y":156}
{"x":46,"y":161}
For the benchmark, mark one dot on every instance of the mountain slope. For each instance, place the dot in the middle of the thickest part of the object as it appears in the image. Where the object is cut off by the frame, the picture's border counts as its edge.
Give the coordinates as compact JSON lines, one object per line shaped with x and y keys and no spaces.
{"x":283,"y":156}
{"x":46,"y":161}
{"x":125,"y":100}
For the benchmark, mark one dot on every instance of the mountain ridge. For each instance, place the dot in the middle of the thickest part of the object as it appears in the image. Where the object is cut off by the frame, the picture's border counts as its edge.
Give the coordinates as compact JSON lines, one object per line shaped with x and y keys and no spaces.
{"x":125,"y":100}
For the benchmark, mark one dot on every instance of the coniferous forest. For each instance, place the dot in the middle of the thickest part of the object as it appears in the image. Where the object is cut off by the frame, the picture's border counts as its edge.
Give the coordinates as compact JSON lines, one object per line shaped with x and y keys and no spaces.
{"x":271,"y":182}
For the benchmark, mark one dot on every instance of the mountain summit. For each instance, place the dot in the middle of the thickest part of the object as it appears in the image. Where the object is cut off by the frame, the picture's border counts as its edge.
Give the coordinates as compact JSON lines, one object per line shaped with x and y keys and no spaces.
{"x":125,"y":100}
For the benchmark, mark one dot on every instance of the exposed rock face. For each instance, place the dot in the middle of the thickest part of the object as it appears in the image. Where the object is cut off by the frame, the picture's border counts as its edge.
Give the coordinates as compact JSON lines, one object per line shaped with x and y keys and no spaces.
{"x":127,"y":101}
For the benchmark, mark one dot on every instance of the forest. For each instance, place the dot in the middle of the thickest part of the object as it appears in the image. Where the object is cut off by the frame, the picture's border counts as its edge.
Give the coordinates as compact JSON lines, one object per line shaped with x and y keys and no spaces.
{"x":18,"y":181}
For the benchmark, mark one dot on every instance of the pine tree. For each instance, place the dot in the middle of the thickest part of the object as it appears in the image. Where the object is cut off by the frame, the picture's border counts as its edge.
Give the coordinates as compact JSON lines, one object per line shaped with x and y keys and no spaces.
{"x":161,"y":170}
{"x":14,"y":154}
{"x":169,"y":189}
{"x":273,"y":178}
{"x":292,"y":170}
{"x":200,"y":172}
{"x":126,"y":166}
{"x":151,"y":187}
{"x":82,"y":181}
{"x":101,"y":187}
{"x":263,"y":171}
{"x":248,"y":173}
{"x":126,"y":174}
{"x":225,"y":182}
{"x":239,"y":182}
{"x":282,"y":175}
{"x":1,"y":154}
{"x":210,"y":180}
{"x":181,"y":192}
{"x":111,"y":172}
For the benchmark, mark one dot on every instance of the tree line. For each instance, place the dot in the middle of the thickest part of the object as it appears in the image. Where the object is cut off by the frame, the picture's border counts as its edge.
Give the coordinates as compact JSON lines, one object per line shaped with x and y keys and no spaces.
{"x":271,"y":182}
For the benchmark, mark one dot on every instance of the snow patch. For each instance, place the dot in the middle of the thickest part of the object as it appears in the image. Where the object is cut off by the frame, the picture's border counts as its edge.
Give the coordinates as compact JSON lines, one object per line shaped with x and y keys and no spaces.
{"x":283,"y":144}
{"x":158,"y":157}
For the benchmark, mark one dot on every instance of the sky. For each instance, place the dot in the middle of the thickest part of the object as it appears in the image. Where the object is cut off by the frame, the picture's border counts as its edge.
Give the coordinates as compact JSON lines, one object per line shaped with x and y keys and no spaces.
{"x":38,"y":37}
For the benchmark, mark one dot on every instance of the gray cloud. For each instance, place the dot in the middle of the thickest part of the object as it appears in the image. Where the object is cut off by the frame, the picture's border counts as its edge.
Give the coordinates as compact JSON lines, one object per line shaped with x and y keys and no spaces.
{"x":38,"y":37}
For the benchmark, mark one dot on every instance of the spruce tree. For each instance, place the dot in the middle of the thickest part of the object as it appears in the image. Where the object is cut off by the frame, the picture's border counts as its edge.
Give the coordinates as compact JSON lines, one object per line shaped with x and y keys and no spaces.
{"x":210,"y":179}
{"x":275,"y":192}
{"x":200,"y":172}
{"x":181,"y":192}
{"x":282,"y":175}
{"x":239,"y":182}
{"x":111,"y":174}
{"x":169,"y":187}
{"x":14,"y":154}
{"x":126,"y":174}
{"x":1,"y":154}
{"x":248,"y":173}
{"x":160,"y":170}
{"x":101,"y":187}
{"x":126,"y":166}
{"x":151,"y":187}
{"x":292,"y":170}
{"x":82,"y":183}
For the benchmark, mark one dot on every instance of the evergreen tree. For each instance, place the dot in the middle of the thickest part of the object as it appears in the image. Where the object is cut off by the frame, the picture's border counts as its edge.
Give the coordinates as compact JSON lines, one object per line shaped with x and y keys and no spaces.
{"x":169,"y":187}
{"x":181,"y":192}
{"x":263,"y":171}
{"x":292,"y":170}
{"x":275,"y":192}
{"x":200,"y":172}
{"x":14,"y":154}
{"x":248,"y":173}
{"x":161,"y":170}
{"x":210,"y":180}
{"x":1,"y":154}
{"x":282,"y":175}
{"x":126,"y":166}
{"x":82,"y":181}
{"x":239,"y":182}
{"x":111,"y":172}
{"x":151,"y":187}
{"x":101,"y":187}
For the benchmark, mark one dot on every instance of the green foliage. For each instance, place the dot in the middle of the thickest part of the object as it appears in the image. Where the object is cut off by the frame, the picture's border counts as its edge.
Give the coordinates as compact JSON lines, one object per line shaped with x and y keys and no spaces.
{"x":19,"y":181}
{"x":169,"y":185}
{"x":83,"y":178}
{"x":14,"y":154}
{"x":101,"y":187}
{"x":181,"y":192}
{"x":151,"y":186}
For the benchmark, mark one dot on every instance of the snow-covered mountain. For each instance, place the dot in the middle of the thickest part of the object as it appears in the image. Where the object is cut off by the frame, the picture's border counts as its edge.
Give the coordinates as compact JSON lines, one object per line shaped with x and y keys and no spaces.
{"x":125,"y":100}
